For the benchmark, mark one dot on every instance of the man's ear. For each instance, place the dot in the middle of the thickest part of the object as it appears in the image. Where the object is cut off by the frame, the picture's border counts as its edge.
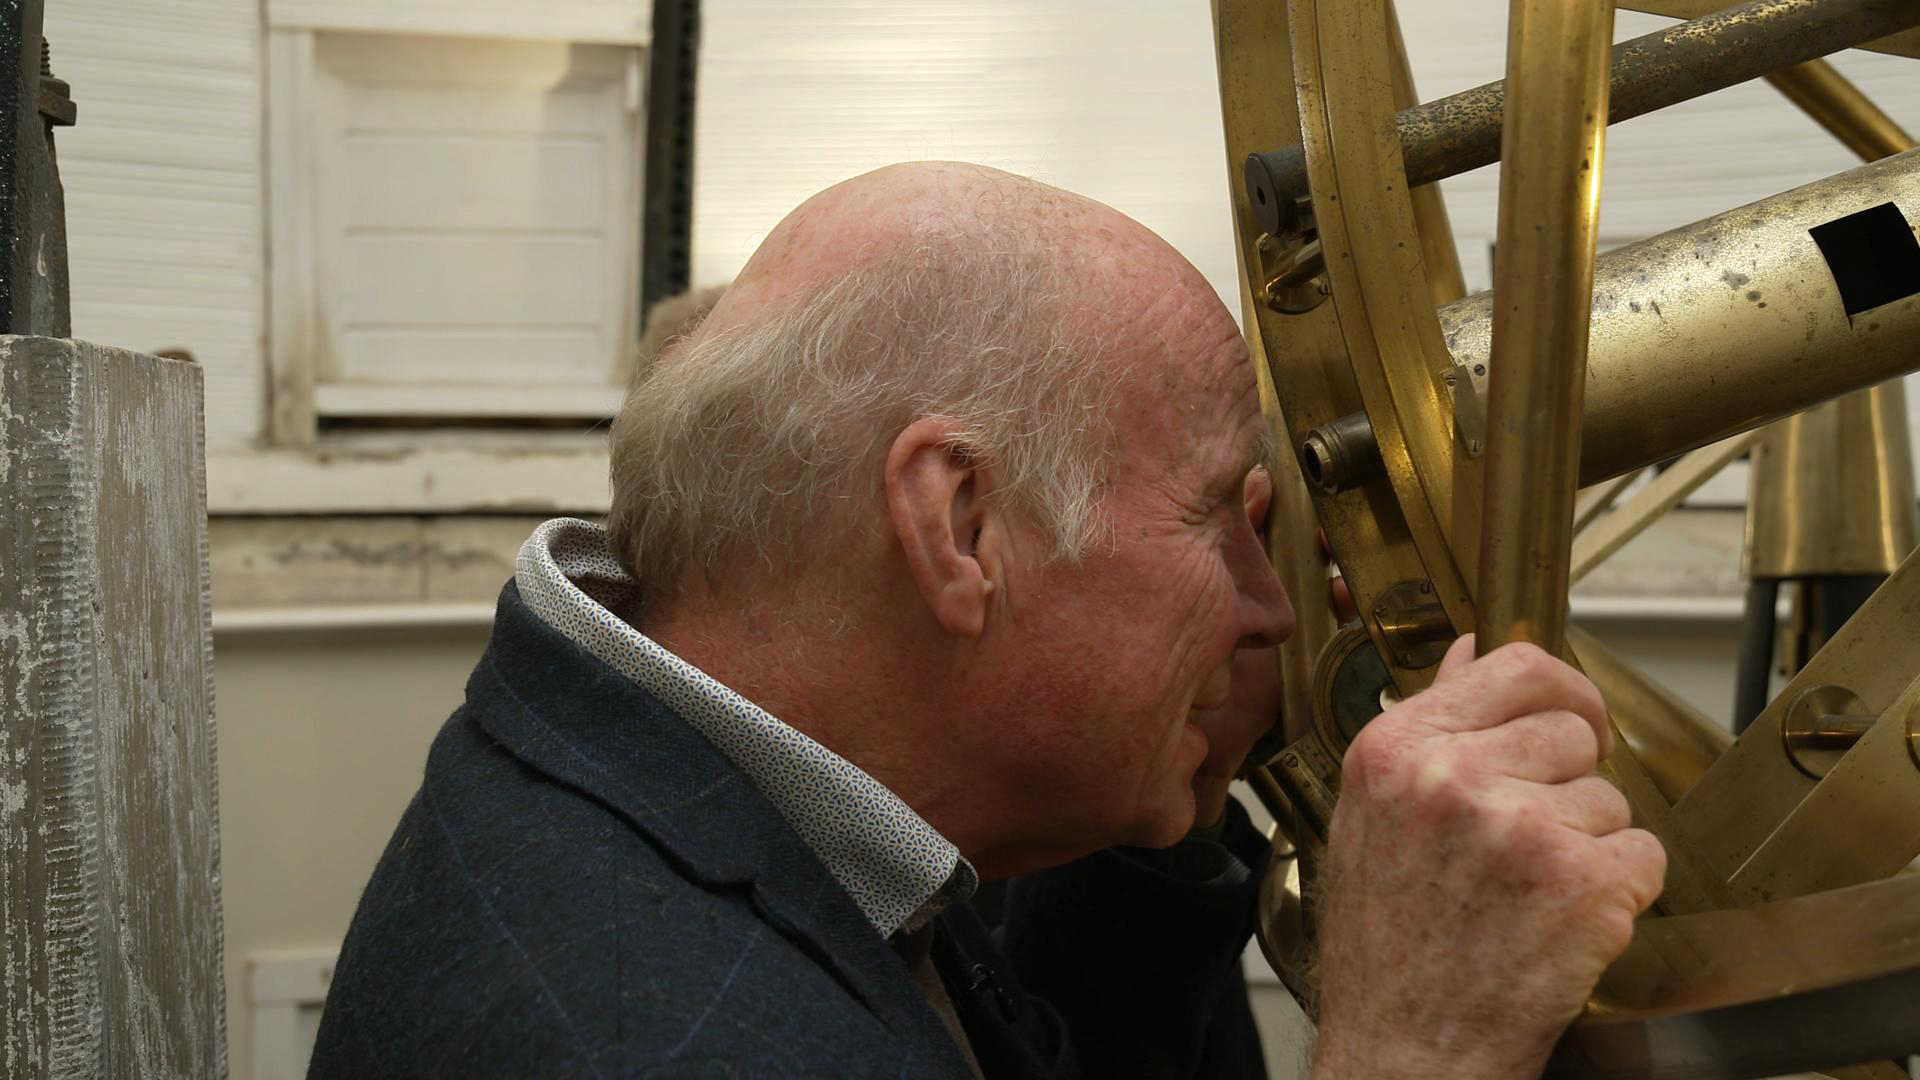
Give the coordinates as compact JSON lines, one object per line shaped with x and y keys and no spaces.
{"x":936,"y":496}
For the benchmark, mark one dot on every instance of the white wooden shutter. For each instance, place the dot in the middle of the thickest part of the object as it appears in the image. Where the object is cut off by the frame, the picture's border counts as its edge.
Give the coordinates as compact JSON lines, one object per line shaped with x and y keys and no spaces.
{"x":474,"y":208}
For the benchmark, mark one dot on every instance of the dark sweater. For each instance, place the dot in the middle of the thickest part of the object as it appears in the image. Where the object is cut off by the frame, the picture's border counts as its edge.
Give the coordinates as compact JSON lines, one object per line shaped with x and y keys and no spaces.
{"x":584,"y":886}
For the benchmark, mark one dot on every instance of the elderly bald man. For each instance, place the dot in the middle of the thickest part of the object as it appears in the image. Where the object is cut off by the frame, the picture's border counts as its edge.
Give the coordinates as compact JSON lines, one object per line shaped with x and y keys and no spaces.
{"x":928,"y":561}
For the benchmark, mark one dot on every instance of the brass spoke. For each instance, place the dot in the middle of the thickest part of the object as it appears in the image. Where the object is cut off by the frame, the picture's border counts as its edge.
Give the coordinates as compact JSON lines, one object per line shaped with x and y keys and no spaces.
{"x":1837,"y":105}
{"x":1558,"y":66}
{"x":1675,"y":743}
{"x":1596,"y":499}
{"x":1666,"y":491}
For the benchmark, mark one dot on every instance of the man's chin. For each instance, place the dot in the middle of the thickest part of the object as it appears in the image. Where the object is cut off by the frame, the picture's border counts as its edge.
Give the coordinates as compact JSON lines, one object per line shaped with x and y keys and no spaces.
{"x":1169,"y":827}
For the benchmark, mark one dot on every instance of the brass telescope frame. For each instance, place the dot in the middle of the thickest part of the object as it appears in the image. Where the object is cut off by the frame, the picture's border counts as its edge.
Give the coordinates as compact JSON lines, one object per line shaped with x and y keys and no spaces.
{"x":1446,"y":436}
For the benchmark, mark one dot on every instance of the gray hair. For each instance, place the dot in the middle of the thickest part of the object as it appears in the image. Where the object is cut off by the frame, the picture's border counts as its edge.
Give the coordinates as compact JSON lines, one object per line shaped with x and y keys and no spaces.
{"x":761,"y":442}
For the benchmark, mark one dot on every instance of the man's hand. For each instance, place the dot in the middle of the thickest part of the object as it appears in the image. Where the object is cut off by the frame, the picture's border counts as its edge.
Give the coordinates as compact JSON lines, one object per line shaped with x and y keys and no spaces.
{"x":1480,"y":875}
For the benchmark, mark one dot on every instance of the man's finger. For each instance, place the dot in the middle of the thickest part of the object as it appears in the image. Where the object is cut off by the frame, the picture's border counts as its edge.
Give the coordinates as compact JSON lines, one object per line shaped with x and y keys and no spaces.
{"x":1344,"y":610}
{"x":1640,"y":864}
{"x":1512,"y":681}
{"x":1543,"y":748}
{"x":1589,"y":805}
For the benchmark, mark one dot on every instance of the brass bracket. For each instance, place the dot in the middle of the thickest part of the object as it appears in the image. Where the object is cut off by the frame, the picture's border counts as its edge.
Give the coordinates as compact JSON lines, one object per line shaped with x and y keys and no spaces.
{"x":1297,"y":282}
{"x":1413,"y":625}
{"x":1469,"y":412}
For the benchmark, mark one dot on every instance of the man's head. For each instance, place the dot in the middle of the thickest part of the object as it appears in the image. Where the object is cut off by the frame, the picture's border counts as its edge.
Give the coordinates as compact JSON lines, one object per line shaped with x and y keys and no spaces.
{"x":991,"y":439}
{"x":914,"y":291}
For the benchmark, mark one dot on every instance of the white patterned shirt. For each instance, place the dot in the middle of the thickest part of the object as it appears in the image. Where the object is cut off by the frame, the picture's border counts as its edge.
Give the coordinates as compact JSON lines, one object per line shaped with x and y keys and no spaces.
{"x":899,"y":870}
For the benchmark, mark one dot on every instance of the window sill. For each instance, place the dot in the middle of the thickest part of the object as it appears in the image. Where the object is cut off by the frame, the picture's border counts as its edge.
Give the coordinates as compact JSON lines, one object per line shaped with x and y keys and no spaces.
{"x":502,"y":474}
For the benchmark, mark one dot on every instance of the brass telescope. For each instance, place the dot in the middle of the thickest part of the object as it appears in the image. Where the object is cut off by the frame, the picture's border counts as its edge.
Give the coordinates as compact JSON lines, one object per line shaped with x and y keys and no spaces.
{"x":1442,"y":439}
{"x":1717,"y":327}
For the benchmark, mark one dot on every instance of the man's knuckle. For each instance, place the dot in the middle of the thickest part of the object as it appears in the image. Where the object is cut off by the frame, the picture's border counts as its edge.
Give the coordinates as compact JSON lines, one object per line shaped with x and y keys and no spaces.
{"x":1376,"y":760}
{"x":1571,"y":736}
{"x":1613,"y":926}
{"x":1442,"y":787}
{"x":1614,"y":806}
{"x":1649,"y":859}
{"x":1530,"y":661}
{"x":1570,"y":862}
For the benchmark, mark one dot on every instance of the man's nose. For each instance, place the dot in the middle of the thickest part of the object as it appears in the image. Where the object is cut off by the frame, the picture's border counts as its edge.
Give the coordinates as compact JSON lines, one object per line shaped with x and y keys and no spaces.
{"x":1266,"y":615}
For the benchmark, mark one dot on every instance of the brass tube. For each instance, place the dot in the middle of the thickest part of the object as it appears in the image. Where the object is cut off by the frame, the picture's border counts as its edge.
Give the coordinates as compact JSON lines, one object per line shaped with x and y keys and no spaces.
{"x":1462,"y":132}
{"x":1833,"y":487}
{"x":1554,"y":135}
{"x":1725,"y":324}
{"x":1832,"y":490}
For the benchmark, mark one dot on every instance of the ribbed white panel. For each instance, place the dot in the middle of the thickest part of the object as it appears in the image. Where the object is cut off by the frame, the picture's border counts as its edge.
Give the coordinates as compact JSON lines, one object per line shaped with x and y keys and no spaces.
{"x":1111,"y":98}
{"x":163,"y":187}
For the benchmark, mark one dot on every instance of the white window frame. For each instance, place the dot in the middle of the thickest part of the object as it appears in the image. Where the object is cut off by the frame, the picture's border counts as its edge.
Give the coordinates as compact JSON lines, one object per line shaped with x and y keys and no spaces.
{"x":299,"y":470}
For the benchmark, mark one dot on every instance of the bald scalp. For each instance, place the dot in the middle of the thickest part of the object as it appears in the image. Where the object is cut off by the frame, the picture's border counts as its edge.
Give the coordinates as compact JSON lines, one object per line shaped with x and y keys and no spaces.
{"x":878,"y":216}
{"x":932,"y":289}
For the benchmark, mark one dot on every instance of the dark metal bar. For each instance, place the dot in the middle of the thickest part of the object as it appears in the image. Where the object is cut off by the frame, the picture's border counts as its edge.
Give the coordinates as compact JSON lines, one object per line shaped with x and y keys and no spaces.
{"x":1756,"y":653}
{"x":33,"y":224}
{"x":666,"y":230}
{"x":1456,"y":134}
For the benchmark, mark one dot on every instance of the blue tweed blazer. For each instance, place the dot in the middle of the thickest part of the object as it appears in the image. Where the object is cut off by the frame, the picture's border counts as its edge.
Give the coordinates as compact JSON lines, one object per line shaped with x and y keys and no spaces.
{"x":585,"y":887}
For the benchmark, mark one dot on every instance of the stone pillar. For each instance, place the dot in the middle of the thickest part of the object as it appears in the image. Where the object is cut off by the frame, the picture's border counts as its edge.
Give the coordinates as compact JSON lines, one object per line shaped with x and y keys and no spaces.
{"x":109,"y":840}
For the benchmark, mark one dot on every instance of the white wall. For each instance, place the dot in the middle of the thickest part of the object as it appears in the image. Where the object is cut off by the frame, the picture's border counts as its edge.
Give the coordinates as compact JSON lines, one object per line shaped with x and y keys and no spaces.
{"x":323,"y":739}
{"x":1114,"y":100}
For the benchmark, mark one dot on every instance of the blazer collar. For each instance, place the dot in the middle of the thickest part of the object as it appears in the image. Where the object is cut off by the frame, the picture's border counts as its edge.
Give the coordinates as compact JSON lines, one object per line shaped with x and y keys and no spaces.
{"x":569,"y":716}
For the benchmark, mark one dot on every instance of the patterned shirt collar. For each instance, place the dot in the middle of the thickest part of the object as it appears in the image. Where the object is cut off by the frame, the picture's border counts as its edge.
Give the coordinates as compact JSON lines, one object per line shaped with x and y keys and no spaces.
{"x":898,"y":869}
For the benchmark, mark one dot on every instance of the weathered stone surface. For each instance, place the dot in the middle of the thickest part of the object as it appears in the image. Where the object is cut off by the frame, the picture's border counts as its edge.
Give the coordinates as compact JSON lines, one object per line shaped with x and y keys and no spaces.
{"x":110,"y":900}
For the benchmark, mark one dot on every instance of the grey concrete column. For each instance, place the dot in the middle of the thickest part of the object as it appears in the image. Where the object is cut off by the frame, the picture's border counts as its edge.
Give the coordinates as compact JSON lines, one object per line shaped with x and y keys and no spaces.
{"x":110,"y":942}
